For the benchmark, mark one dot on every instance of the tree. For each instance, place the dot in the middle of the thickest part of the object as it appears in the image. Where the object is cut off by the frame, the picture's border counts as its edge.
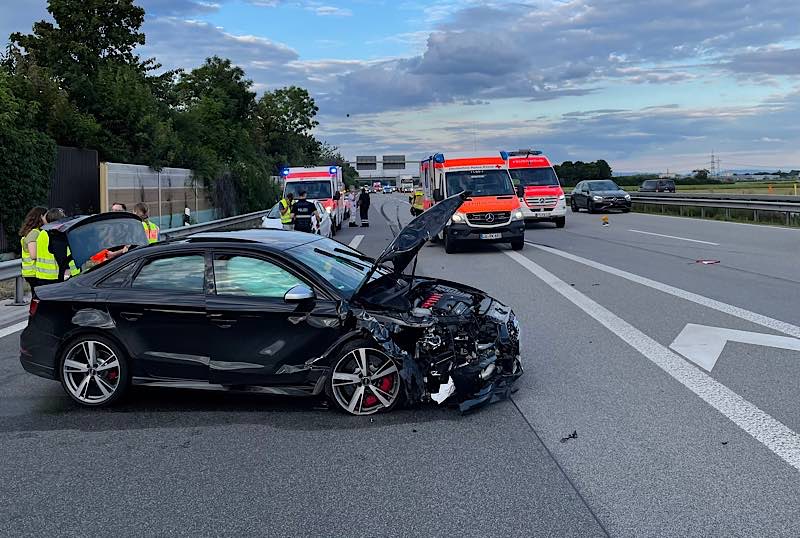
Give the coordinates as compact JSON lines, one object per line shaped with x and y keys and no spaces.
{"x":27,"y":158}
{"x":283,"y":123}
{"x":701,"y":174}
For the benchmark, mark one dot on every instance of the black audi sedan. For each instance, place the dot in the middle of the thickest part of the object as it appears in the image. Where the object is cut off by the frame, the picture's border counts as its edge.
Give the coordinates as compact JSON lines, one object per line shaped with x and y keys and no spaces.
{"x":277,"y":312}
{"x":599,"y":195}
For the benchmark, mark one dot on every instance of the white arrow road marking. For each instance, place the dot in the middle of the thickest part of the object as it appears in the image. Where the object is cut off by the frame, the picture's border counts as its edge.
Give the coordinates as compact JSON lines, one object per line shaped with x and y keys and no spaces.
{"x":356,"y":241}
{"x":773,"y":434}
{"x":676,"y":237}
{"x":13,"y":328}
{"x":747,"y":315}
{"x":703,"y":345}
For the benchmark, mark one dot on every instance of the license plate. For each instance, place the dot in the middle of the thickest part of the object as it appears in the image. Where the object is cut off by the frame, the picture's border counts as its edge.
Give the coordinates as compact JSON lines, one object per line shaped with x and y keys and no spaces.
{"x":540,"y":215}
{"x":491,"y":236}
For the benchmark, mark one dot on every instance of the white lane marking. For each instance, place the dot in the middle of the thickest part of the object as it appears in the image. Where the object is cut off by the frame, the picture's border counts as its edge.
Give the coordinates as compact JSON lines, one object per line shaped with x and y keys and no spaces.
{"x":741,"y":313}
{"x":776,"y":436}
{"x":356,"y":241}
{"x":703,"y":345}
{"x":766,"y":227}
{"x":13,"y":328}
{"x":675,"y":237}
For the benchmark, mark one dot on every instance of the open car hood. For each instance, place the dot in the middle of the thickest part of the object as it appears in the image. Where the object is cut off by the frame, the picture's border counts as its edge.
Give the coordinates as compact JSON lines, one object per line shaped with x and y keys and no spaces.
{"x":86,"y":235}
{"x":404,"y":248}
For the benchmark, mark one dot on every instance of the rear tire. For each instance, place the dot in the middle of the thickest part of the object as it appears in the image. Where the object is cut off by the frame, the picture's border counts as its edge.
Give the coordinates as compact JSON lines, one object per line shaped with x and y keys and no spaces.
{"x":590,"y":207}
{"x":517,"y":244}
{"x":574,"y":206}
{"x":561,"y":222}
{"x":93,"y":371}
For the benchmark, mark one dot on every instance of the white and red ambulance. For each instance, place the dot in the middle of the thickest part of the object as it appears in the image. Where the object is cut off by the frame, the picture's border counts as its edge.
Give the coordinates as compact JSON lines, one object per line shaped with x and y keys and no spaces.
{"x":540,"y":194}
{"x":323,"y":183}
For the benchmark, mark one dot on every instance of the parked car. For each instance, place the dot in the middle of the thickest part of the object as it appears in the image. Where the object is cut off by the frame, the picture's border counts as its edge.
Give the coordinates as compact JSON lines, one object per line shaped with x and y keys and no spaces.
{"x":599,"y":195}
{"x":276,"y":312}
{"x":272,"y":220}
{"x":657,"y":185}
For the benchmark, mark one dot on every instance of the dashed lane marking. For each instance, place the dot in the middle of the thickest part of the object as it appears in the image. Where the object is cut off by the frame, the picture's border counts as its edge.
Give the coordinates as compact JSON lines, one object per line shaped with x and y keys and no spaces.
{"x":773,"y":434}
{"x":356,"y":241}
{"x":675,"y":237}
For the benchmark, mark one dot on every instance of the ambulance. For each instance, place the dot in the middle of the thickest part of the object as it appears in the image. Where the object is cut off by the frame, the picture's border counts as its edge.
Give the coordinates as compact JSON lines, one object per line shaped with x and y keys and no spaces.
{"x":491,"y":214}
{"x":322,"y":183}
{"x":540,"y":194}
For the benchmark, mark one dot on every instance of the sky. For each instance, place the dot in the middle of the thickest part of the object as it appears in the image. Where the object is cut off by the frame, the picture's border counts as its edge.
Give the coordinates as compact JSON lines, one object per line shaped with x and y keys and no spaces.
{"x":648,"y":85}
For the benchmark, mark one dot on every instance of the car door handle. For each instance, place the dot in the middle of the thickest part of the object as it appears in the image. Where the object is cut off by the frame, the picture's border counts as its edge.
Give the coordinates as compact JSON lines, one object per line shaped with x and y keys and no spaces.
{"x":131,"y":316}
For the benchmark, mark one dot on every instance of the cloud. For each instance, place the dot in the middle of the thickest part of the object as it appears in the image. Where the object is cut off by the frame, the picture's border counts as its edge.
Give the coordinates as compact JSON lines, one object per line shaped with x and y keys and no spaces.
{"x":330,"y":11}
{"x":768,"y":61}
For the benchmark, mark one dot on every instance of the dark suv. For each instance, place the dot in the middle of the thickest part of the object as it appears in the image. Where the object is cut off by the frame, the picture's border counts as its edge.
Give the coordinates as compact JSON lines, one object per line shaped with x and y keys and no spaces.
{"x":657,"y":185}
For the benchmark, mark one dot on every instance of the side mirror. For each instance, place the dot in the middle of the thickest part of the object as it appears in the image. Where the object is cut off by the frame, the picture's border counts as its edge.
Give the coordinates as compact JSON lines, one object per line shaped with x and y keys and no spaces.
{"x":437,"y":195}
{"x":337,"y":195}
{"x":520,"y":191}
{"x":299,"y":294}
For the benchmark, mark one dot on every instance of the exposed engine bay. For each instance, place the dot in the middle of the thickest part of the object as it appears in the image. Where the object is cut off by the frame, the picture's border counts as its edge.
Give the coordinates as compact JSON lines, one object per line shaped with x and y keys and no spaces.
{"x":456,"y":344}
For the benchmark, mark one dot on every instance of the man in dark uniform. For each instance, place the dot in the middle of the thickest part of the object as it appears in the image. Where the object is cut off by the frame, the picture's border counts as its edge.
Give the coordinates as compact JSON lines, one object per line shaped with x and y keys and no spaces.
{"x":303,"y":211}
{"x":363,"y":205}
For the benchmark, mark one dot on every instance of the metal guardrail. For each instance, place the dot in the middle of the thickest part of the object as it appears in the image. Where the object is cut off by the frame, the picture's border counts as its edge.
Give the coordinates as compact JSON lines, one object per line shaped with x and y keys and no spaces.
{"x":788,"y":205}
{"x":11,"y":270}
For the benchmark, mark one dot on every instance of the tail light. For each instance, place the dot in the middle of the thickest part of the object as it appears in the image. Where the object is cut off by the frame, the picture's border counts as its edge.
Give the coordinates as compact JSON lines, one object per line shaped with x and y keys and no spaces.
{"x":34,"y":307}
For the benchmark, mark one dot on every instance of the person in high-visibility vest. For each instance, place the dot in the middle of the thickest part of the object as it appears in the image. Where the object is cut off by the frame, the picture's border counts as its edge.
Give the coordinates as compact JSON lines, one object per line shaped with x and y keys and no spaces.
{"x":286,"y":211}
{"x":143,"y":212}
{"x":49,"y":267}
{"x":417,"y":202}
{"x":28,"y":233}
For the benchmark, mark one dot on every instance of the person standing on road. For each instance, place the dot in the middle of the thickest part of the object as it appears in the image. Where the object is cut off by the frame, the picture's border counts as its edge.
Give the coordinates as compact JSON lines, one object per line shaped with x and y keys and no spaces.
{"x":352,"y":198}
{"x":363,"y":204}
{"x":54,"y":261}
{"x":286,"y":211}
{"x":29,"y":233}
{"x":303,"y":212}
{"x":143,"y":212}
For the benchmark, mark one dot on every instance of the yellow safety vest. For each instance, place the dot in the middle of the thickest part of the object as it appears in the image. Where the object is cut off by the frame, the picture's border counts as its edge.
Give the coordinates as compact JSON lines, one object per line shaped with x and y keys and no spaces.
{"x":151,"y":230}
{"x":28,"y":263}
{"x":46,"y":264}
{"x":418,"y":200}
{"x":286,"y":218}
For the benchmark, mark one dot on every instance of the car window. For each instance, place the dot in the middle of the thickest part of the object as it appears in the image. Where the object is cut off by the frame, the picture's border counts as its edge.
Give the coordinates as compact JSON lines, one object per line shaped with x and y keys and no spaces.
{"x":251,"y":277}
{"x":176,"y":273}
{"x":275,"y":212}
{"x":120,"y":279}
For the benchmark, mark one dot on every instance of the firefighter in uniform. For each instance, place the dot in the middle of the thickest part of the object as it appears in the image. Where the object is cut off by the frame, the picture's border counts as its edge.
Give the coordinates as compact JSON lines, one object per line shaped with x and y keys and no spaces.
{"x":286,"y":211}
{"x":303,"y":212}
{"x":143,"y":212}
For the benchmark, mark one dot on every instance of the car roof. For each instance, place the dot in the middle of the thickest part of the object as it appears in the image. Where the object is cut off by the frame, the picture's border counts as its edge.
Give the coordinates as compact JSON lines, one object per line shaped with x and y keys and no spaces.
{"x":277,"y":240}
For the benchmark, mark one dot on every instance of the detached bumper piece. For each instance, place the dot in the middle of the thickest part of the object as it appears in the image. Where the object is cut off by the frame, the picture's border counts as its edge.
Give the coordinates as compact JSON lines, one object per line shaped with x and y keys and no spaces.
{"x":486,"y":388}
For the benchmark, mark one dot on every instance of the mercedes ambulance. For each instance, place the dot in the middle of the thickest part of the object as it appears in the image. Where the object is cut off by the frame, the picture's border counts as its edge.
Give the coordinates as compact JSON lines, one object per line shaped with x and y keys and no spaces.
{"x":492,"y":212}
{"x":323,"y":183}
{"x":540,"y":194}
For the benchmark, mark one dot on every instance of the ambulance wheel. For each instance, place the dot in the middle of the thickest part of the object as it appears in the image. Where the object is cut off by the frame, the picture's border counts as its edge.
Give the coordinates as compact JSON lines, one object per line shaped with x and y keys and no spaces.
{"x":560,"y":222}
{"x":517,"y":244}
{"x":450,"y":245}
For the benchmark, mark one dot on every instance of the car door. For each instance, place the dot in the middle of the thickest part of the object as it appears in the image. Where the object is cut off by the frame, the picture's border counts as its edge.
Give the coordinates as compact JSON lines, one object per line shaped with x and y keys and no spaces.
{"x":261,"y":338}
{"x":160,"y":315}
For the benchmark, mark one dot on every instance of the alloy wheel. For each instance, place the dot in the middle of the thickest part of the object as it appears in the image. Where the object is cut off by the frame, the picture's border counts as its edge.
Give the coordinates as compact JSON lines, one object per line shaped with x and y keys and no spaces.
{"x":91,"y":372}
{"x":365,"y":381}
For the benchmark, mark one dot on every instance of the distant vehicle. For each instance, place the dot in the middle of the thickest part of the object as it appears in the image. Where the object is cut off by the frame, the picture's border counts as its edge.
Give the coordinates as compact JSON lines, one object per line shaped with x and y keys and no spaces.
{"x":600,"y":195}
{"x":272,"y":220}
{"x":657,"y":185}
{"x":388,"y":189}
{"x":540,"y":194}
{"x":377,"y":187}
{"x":406,"y":184}
{"x":322,"y":183}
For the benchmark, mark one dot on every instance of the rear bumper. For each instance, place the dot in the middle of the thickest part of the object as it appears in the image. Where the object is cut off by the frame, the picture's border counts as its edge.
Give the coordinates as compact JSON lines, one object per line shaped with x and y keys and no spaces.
{"x":37,"y":351}
{"x":510,"y":232}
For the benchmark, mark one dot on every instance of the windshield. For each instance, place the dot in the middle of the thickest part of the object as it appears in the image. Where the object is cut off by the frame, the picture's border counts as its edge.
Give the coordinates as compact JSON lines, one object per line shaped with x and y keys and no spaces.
{"x":479,"y":182}
{"x":341,"y":266}
{"x":603,"y":186}
{"x":536,"y":177}
{"x":316,"y":190}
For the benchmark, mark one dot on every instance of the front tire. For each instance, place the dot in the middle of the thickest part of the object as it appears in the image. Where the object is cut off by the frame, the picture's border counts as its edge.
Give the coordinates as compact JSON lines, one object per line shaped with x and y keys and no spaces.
{"x":517,"y":244}
{"x":590,"y":207}
{"x":574,"y":206}
{"x":449,"y":244}
{"x":561,"y":222}
{"x":364,"y":380}
{"x":94,"y":371}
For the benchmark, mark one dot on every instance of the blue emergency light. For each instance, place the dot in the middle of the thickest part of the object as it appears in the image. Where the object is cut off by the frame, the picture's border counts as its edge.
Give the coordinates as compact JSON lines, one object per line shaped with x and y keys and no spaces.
{"x":439,"y":158}
{"x":284,"y":171}
{"x":504,"y":155}
{"x":332,"y":170}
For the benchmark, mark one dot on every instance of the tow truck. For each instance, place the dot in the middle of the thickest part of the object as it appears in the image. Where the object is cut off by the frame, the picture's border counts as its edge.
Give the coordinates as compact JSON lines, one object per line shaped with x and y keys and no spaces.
{"x":491,"y":213}
{"x":322,"y":183}
{"x":540,"y":194}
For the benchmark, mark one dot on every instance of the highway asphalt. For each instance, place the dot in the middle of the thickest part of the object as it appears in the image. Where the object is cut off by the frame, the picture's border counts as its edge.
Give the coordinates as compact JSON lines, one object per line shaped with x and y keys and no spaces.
{"x":663,"y":447}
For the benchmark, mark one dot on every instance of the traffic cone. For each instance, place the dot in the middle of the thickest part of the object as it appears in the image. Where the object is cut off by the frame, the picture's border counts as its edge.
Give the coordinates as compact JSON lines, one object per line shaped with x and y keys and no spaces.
{"x":604,"y":218}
